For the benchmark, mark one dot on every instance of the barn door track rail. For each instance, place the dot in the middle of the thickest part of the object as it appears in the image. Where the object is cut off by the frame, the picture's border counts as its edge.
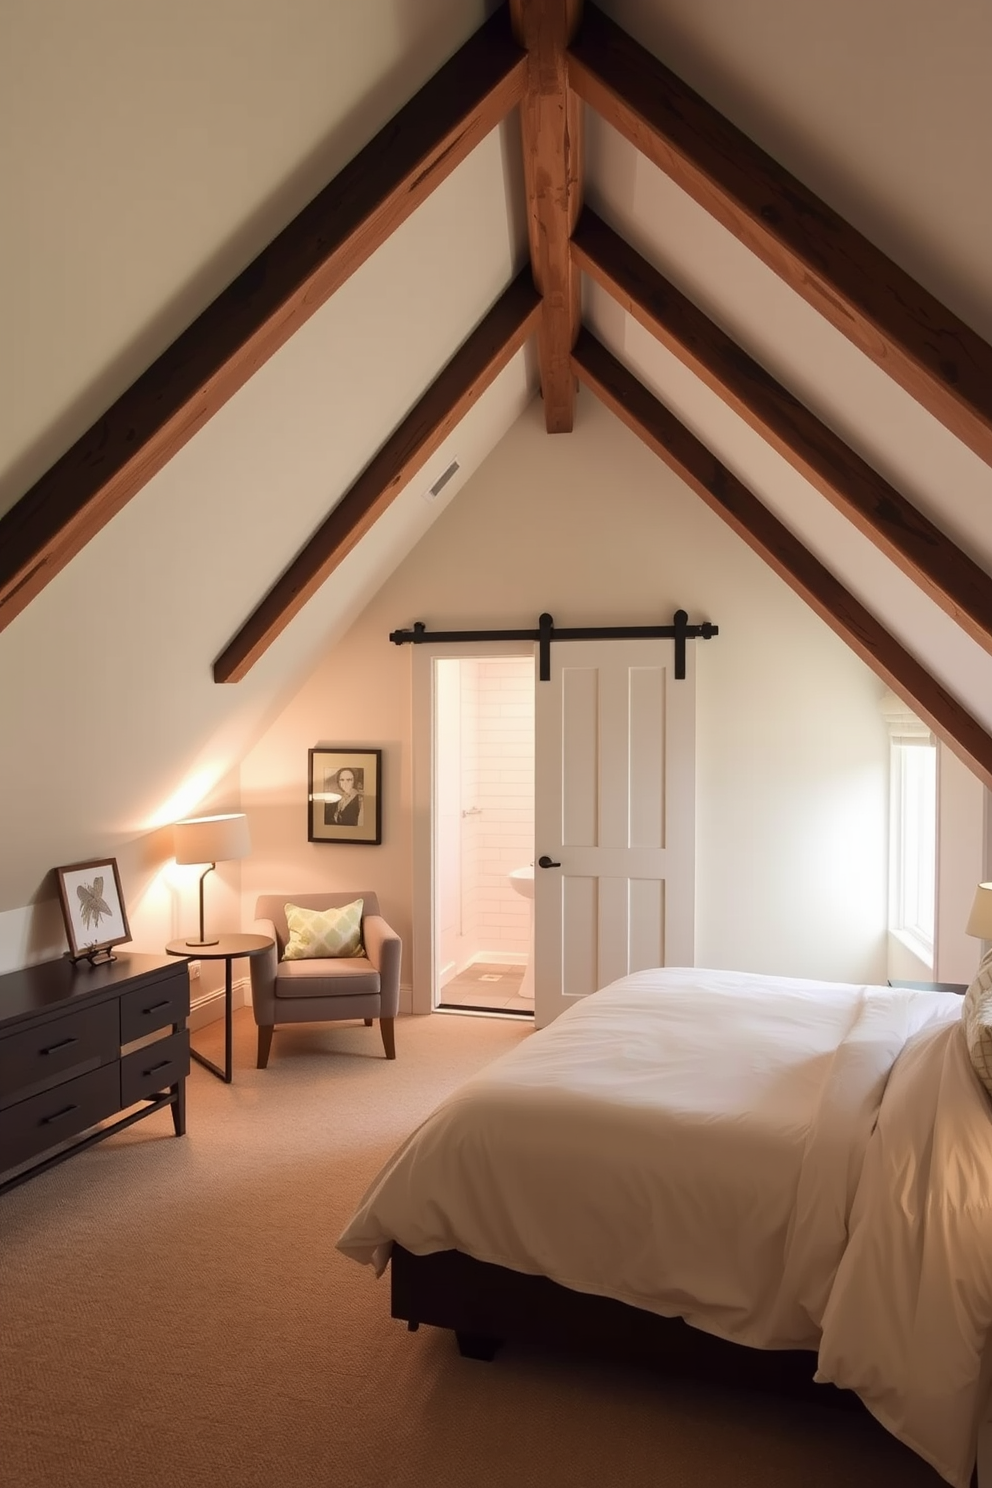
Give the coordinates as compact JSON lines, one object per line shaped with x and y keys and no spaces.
{"x":680,"y":631}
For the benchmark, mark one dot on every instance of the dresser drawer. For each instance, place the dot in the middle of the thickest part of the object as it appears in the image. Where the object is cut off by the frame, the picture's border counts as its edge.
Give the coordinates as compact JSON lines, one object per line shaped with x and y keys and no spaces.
{"x":161,"y":1002}
{"x":154,"y":1067}
{"x":31,"y":1126}
{"x":35,"y":1058}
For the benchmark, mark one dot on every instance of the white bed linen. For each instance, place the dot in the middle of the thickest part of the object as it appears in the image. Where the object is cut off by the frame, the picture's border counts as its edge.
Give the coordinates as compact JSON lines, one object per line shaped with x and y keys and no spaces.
{"x":909,"y":1318}
{"x":687,"y":1141}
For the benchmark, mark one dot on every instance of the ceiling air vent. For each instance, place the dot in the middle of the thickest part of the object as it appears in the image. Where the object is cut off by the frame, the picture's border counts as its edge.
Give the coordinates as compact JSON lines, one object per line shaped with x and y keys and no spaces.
{"x":441,"y":482}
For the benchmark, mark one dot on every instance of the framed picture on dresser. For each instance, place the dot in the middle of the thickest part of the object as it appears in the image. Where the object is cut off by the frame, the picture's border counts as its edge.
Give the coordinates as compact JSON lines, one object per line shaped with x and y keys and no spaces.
{"x":92,"y":908}
{"x":344,"y":795}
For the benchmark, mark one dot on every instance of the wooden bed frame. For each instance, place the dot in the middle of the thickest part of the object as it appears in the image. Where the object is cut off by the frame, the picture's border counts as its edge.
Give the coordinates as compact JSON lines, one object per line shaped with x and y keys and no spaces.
{"x":486,"y":1305}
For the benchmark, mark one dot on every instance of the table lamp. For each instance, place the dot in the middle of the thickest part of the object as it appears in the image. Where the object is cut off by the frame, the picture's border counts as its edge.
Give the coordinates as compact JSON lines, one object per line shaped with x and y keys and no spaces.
{"x":210,"y":840}
{"x":980,"y":919}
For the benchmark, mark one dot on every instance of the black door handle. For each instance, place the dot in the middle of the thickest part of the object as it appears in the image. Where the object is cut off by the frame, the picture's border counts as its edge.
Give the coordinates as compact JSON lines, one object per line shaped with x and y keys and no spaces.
{"x":547,"y":862}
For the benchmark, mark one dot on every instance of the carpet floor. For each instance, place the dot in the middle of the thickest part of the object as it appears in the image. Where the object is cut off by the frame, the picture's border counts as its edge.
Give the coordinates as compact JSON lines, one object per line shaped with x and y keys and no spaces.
{"x":174,"y":1311}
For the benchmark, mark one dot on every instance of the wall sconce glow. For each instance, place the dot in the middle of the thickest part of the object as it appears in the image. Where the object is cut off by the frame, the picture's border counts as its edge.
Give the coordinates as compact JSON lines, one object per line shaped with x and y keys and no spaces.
{"x":185,"y":799}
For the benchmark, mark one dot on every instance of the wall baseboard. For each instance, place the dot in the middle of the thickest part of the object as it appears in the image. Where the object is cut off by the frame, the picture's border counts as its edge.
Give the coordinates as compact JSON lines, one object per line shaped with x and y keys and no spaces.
{"x":209,"y":1006}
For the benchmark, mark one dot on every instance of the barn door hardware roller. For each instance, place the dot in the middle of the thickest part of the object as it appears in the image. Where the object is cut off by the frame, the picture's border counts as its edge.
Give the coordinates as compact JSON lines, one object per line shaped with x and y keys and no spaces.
{"x":680,"y":631}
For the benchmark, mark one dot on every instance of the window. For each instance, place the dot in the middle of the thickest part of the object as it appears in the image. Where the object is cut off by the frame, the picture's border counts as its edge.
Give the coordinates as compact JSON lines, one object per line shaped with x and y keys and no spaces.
{"x":914,"y":794}
{"x":912,"y":829}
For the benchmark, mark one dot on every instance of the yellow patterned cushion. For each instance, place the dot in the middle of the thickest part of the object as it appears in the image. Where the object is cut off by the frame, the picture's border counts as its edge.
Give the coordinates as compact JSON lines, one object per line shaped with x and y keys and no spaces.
{"x":977,"y":1015}
{"x":324,"y":932}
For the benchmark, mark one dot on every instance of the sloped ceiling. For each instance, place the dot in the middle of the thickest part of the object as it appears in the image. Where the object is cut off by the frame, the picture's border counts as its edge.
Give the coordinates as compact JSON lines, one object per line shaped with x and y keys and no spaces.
{"x":146,"y":157}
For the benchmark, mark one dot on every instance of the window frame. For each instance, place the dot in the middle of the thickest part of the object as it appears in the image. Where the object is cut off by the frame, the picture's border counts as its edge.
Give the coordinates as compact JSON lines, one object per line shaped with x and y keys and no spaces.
{"x":913,"y":843}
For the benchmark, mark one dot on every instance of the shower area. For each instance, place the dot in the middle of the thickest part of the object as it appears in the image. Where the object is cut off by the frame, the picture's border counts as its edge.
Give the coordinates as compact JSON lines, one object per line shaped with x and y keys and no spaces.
{"x":484,"y":834}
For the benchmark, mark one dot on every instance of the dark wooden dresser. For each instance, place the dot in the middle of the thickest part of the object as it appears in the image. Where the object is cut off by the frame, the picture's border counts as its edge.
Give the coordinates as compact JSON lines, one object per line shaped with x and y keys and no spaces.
{"x":82,"y":1044}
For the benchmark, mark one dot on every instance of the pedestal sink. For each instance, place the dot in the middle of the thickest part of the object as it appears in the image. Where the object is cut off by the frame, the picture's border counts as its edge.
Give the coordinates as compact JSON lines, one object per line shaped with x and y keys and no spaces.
{"x":522,"y":879}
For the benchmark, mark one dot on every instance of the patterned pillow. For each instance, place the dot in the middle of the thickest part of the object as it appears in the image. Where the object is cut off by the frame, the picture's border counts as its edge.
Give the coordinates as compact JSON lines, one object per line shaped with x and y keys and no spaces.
{"x":324,"y":932}
{"x":976,"y":1012}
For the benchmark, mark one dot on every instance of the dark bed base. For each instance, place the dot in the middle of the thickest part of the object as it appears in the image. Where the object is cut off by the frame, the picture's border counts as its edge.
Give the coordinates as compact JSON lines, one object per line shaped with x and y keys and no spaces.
{"x":488,"y":1305}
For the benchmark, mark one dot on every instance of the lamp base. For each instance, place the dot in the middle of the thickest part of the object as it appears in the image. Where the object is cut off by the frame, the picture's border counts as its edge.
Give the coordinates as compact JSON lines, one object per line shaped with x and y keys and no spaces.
{"x":202,"y":944}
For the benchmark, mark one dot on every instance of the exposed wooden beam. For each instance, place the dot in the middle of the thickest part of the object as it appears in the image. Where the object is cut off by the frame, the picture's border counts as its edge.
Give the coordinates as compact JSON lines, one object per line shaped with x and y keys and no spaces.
{"x":514,"y":317}
{"x":939,"y":360}
{"x":921,"y":550}
{"x":396,"y":171}
{"x":551,"y":119}
{"x":662,"y":432}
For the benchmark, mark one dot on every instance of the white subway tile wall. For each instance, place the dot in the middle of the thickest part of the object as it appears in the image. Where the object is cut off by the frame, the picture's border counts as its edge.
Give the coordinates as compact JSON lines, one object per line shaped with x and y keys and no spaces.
{"x":498,"y":799}
{"x":471,"y":818}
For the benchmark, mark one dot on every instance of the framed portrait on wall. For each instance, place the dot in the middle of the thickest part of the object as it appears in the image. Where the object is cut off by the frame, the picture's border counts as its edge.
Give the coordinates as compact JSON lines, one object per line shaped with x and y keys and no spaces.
{"x":92,"y":908}
{"x":344,"y":801}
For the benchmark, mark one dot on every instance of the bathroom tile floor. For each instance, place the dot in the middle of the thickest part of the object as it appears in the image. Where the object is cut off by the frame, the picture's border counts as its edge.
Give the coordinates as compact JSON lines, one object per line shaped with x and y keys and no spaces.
{"x":483,"y":985}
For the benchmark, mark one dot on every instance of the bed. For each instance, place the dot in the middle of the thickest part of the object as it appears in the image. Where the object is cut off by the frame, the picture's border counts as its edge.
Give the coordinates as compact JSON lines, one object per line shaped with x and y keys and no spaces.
{"x":720,"y":1165}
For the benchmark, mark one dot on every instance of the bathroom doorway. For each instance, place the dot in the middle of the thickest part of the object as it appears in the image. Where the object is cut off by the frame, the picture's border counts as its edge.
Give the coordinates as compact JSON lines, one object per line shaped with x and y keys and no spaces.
{"x":483,"y":834}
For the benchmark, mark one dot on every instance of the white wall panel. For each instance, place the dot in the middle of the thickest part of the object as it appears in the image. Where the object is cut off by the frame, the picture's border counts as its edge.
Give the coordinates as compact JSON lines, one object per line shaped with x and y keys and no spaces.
{"x":580,"y":807}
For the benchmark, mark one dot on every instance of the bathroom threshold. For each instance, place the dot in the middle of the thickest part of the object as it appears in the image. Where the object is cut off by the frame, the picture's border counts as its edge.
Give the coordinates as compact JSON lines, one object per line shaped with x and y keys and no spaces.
{"x":484,"y":1012}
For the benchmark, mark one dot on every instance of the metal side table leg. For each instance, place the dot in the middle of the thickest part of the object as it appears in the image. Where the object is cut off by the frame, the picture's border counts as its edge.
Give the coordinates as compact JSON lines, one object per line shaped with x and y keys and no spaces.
{"x":226,"y":1073}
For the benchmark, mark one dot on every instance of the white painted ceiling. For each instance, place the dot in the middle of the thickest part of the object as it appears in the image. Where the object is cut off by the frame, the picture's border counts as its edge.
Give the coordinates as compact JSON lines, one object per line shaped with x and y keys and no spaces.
{"x":147,"y":153}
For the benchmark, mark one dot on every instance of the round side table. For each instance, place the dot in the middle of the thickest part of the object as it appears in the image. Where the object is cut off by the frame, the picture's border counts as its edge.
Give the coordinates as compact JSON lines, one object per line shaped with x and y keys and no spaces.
{"x":226,"y":948}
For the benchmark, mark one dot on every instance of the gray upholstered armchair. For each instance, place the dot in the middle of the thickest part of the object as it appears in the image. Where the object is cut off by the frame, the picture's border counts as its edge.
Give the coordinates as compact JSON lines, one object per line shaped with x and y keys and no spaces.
{"x":318,"y":991}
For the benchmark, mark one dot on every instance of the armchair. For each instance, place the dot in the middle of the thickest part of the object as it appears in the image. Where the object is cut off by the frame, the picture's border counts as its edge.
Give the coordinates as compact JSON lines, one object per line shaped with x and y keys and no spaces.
{"x":317,"y":991}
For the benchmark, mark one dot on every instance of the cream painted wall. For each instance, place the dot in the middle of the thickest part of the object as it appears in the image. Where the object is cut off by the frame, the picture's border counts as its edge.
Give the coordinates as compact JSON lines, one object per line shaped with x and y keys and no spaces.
{"x":176,"y":139}
{"x":836,"y":93}
{"x":148,"y":152}
{"x":792,"y":746}
{"x":176,"y":153}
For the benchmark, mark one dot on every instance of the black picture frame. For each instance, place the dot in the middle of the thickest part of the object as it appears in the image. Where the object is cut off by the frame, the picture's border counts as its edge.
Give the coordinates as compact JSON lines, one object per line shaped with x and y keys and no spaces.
{"x":92,"y":908}
{"x":339,"y":810}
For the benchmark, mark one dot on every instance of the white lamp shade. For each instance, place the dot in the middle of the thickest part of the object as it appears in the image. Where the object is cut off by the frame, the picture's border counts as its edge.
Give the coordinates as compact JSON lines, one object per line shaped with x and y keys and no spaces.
{"x":980,"y":919}
{"x":211,"y":839}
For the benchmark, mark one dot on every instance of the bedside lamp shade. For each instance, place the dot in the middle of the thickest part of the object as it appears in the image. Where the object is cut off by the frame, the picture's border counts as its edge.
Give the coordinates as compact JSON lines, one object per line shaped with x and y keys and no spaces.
{"x":210,"y":840}
{"x":980,"y":919}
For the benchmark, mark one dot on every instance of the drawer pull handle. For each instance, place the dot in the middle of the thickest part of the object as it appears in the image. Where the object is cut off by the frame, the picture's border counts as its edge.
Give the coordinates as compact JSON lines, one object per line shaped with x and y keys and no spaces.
{"x":157,"y":1006}
{"x":164,"y":1064}
{"x":66,"y":1111}
{"x":62,"y":1044}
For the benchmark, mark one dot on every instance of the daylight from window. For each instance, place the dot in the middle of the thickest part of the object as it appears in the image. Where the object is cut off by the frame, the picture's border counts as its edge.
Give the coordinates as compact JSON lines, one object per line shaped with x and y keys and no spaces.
{"x":914,"y":818}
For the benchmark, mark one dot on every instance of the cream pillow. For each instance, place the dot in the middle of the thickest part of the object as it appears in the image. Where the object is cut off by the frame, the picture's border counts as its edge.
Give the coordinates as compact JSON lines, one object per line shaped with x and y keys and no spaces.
{"x":324,"y":932}
{"x":976,"y":1013}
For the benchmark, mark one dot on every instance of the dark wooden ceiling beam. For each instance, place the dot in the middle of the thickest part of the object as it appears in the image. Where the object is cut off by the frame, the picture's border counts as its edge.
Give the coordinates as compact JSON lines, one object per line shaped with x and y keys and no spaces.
{"x":662,"y":432}
{"x":396,"y":171}
{"x":938,"y":359}
{"x":551,"y":120}
{"x":514,"y":317}
{"x":921,"y":550}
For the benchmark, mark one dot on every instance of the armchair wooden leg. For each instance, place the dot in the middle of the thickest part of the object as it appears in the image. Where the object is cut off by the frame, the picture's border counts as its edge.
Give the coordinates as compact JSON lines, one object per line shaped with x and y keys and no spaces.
{"x":368,"y":1022}
{"x":388,"y":1037}
{"x":264,"y":1043}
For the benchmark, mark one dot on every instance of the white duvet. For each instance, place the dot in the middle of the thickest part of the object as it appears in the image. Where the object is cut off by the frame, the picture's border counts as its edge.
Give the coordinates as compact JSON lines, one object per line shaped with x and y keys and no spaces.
{"x":784,"y":1163}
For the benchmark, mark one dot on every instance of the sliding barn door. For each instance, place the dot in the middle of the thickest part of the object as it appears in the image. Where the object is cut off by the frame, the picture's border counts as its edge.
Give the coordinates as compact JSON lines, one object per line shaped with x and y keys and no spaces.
{"x":615,"y":809}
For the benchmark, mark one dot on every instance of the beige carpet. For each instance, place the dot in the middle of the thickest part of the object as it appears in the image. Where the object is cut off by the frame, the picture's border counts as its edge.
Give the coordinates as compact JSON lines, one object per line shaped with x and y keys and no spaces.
{"x":174,"y":1312}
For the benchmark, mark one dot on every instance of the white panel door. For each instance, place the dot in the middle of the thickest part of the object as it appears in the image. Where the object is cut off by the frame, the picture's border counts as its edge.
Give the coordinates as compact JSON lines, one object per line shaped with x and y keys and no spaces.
{"x":615,"y":810}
